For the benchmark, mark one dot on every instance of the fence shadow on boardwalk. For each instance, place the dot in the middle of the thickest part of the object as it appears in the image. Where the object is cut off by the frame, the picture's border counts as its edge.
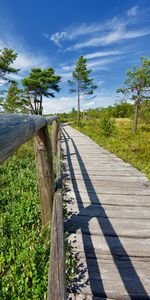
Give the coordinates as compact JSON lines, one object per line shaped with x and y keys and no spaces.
{"x":97,"y":288}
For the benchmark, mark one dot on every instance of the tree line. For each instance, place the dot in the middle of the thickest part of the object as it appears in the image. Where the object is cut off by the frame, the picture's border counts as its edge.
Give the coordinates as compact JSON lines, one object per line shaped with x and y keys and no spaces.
{"x":44,"y":82}
{"x":29,"y":98}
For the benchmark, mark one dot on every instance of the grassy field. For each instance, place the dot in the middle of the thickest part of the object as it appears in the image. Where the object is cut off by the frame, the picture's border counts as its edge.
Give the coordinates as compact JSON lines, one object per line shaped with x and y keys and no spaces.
{"x":132,"y":148}
{"x":24,"y":246}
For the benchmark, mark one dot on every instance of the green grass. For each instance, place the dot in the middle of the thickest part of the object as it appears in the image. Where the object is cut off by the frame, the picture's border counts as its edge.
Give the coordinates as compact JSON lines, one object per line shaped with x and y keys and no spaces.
{"x":24,"y":246}
{"x":132,"y":148}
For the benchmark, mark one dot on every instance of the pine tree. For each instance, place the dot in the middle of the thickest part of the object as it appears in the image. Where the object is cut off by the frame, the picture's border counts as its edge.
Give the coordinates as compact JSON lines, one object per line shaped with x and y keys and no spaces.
{"x":81,"y":82}
{"x":7,"y":57}
{"x":40,"y":83}
{"x":13,"y":101}
{"x":137,"y":86}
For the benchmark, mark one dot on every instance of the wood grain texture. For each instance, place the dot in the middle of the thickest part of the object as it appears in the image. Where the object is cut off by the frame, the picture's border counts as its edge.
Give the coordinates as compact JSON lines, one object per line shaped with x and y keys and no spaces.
{"x":54,"y":136}
{"x":135,"y":247}
{"x":45,"y":172}
{"x":17,"y":129}
{"x":109,"y":226}
{"x":85,"y":297}
{"x":56,"y":281}
{"x":57,"y":274}
{"x":58,"y":161}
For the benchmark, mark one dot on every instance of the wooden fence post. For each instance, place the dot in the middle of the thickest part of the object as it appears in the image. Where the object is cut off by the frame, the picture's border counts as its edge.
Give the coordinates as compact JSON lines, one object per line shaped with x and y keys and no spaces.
{"x":54,"y":136}
{"x":44,"y":160}
{"x":56,"y":275}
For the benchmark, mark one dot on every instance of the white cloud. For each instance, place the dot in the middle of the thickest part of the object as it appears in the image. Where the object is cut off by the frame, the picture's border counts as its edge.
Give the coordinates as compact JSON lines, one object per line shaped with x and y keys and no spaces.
{"x":102,"y":54}
{"x":59,"y":104}
{"x":65,"y":104}
{"x":101,"y":62}
{"x":132,"y":12}
{"x":58,"y":36}
{"x":136,"y":34}
{"x":113,"y":37}
{"x":91,"y":103}
{"x":99,"y":82}
{"x":65,"y":76}
{"x":26,"y":61}
{"x":67,"y":67}
{"x":16,"y":77}
{"x":117,"y":29}
{"x":96,"y":64}
{"x":72,"y":32}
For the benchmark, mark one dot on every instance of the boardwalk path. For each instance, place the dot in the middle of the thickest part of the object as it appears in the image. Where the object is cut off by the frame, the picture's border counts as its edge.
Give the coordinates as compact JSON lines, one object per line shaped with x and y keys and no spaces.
{"x":110,"y":223}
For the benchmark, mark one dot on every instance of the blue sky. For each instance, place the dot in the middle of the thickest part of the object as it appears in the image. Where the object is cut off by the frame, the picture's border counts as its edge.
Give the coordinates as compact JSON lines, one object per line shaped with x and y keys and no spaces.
{"x":111,"y":34}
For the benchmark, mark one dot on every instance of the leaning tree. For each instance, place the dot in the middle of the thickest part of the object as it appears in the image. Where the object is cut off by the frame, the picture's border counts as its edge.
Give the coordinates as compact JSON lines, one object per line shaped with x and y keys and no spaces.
{"x":7,"y":57}
{"x":15,"y":101}
{"x":40,"y":83}
{"x":81,"y":83}
{"x":137,"y":87}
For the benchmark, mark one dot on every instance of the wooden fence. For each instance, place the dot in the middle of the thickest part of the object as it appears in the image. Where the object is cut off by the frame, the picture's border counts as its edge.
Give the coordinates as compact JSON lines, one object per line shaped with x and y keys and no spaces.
{"x":16,"y":130}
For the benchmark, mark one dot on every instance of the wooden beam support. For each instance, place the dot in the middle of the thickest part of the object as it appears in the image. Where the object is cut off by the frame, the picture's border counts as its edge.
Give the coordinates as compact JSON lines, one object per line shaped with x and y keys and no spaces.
{"x":56,"y":276}
{"x":44,"y":160}
{"x":58,"y":161}
{"x":54,"y":136}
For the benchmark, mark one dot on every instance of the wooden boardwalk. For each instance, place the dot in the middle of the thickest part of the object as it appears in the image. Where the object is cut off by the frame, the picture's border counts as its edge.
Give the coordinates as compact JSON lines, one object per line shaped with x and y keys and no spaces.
{"x":110,"y":223}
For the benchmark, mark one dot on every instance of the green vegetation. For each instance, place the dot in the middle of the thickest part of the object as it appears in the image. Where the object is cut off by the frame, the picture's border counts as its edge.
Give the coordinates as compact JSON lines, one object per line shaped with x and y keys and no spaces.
{"x":29,"y":98}
{"x":133,"y":148}
{"x":7,"y":57}
{"x":40,"y":83}
{"x":137,"y":86}
{"x":24,"y":246}
{"x":111,"y":128}
{"x":118,"y":110}
{"x":107,"y":126}
{"x":81,"y":82}
{"x":14,"y":101}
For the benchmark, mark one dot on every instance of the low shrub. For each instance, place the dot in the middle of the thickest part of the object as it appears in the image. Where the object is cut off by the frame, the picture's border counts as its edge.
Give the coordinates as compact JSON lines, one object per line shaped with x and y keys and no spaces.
{"x":107,"y":126}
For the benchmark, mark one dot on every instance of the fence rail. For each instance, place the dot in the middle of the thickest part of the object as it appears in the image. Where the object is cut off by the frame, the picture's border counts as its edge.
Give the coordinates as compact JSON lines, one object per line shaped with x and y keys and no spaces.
{"x":15,"y":130}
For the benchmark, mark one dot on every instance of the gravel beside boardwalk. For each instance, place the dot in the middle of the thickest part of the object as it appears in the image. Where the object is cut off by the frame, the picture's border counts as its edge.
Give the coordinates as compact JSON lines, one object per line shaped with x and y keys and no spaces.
{"x":110,"y":223}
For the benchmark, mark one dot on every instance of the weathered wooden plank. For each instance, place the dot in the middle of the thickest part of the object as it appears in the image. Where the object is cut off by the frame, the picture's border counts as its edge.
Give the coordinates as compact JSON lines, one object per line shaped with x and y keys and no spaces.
{"x":108,"y":199}
{"x":109,"y":211}
{"x":133,"y":247}
{"x":110,"y":222}
{"x":85,"y":297}
{"x":17,"y":129}
{"x":96,"y":160}
{"x":89,"y":183}
{"x":121,"y":280}
{"x":101,"y":166}
{"x":103,"y":172}
{"x":107,"y":178}
{"x":124,"y":190}
{"x":58,"y":161}
{"x":44,"y":162}
{"x":56,"y":275}
{"x":110,"y":226}
{"x":54,"y":136}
